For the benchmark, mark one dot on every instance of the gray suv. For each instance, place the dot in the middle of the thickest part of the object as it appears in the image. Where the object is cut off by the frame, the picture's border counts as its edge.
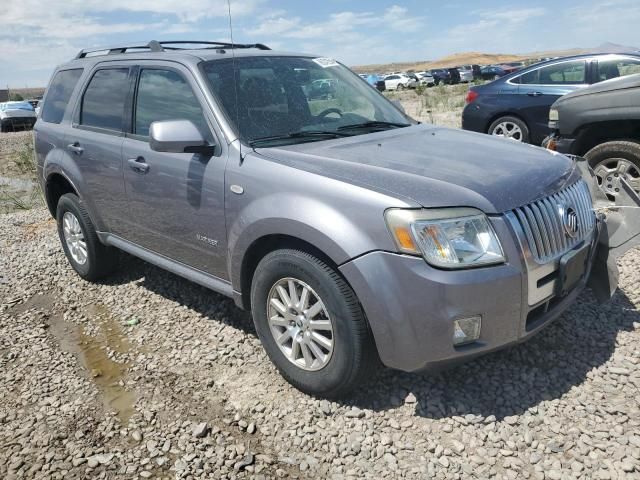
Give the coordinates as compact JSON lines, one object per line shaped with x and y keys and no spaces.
{"x":353,"y":233}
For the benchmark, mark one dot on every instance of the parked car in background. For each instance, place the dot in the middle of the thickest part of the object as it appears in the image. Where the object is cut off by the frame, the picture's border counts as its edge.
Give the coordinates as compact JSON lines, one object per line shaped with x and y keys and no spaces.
{"x":371,"y":78}
{"x":322,"y":89}
{"x":417,"y":255}
{"x":440,"y":75}
{"x":469,"y":73}
{"x":602,"y":124}
{"x":517,"y":105}
{"x":454,"y":76}
{"x":399,"y":81}
{"x":426,"y":79}
{"x":492,"y":72}
{"x":16,"y":116}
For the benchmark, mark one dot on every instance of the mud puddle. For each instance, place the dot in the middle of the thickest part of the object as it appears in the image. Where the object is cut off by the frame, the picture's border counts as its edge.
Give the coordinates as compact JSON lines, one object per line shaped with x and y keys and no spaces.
{"x":91,"y":351}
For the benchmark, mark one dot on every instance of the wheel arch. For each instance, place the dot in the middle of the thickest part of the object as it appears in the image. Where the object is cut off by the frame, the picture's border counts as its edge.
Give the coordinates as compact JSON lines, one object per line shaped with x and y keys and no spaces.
{"x":593,"y":134}
{"x":56,"y":185}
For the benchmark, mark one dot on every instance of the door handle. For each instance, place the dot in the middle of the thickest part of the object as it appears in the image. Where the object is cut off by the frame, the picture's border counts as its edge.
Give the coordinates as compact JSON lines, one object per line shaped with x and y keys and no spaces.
{"x":138,"y":165}
{"x":75,"y":148}
{"x":535,"y":94}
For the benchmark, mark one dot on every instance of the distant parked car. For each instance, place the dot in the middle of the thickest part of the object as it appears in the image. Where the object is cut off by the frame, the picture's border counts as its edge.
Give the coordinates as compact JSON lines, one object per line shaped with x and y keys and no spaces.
{"x":371,"y":78}
{"x":468,"y":73}
{"x":16,"y":115}
{"x":517,"y":105}
{"x":397,"y":82}
{"x":454,"y":76}
{"x":602,"y":124}
{"x":440,"y":75}
{"x":492,"y":72}
{"x":322,"y":89}
{"x":426,"y":79}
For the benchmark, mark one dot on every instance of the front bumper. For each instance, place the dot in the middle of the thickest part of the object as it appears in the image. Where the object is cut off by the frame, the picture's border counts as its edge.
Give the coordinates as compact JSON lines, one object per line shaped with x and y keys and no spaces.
{"x":411,"y":306}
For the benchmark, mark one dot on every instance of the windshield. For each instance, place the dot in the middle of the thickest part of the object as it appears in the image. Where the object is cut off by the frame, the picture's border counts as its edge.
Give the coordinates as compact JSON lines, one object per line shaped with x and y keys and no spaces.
{"x":296,"y":99}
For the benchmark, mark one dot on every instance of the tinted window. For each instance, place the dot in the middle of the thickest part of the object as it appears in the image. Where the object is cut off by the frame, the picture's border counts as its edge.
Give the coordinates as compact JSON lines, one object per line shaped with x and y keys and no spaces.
{"x":619,"y":67}
{"x":165,"y":95}
{"x":568,"y":73}
{"x":104,"y":99}
{"x":393,"y":77}
{"x":58,"y":95}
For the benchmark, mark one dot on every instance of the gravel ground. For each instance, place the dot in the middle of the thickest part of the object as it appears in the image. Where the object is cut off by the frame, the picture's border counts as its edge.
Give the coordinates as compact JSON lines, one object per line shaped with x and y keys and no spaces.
{"x":149,"y":376}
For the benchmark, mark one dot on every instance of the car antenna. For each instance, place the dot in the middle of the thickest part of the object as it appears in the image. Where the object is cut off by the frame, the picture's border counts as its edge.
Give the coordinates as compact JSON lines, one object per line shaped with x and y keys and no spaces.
{"x":235,"y":83}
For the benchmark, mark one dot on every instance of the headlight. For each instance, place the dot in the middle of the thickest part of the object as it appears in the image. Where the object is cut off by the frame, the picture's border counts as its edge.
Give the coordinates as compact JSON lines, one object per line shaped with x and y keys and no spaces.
{"x":446,"y":238}
{"x":554,"y":116}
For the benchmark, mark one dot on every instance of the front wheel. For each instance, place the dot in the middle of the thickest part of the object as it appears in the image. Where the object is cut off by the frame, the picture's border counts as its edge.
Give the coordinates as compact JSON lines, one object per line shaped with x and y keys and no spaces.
{"x":613,"y":161}
{"x":311,"y":324}
{"x":400,"y":87}
{"x":510,"y":127}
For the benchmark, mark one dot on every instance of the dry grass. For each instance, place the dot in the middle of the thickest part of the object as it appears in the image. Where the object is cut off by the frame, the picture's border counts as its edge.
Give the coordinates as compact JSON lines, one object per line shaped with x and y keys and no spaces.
{"x":441,"y":105}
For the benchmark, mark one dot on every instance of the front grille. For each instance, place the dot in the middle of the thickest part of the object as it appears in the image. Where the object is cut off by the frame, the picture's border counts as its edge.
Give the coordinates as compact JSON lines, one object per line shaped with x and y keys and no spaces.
{"x":543,"y":222}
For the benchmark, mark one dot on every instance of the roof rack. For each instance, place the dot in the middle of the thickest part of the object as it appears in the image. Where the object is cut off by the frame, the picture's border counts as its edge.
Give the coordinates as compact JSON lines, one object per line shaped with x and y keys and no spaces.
{"x":155,"y":46}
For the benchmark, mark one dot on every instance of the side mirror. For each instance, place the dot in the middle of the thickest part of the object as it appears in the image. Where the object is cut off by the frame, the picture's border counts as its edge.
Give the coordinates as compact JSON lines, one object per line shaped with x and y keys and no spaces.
{"x":178,"y":136}
{"x":399,"y":106}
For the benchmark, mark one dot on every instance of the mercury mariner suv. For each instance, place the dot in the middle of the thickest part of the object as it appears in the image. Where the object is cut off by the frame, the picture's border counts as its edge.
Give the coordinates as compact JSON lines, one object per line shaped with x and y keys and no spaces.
{"x":353,"y":233}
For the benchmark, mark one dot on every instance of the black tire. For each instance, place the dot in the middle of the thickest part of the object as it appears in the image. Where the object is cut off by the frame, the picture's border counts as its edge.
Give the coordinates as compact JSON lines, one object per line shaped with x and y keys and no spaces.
{"x":354,"y":357}
{"x":526,"y":136}
{"x":101,"y":260}
{"x":400,"y":87}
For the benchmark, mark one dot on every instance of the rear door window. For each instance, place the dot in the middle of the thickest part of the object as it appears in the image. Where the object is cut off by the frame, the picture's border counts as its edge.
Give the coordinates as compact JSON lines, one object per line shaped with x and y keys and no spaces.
{"x":103,"y":102}
{"x":166,"y":95}
{"x":567,"y":73}
{"x":58,"y":95}
{"x":618,"y":67}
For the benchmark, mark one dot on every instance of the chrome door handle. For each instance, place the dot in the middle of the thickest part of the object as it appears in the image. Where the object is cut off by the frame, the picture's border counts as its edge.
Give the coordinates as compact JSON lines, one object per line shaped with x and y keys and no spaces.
{"x":138,"y":165}
{"x":535,"y":94}
{"x":75,"y":148}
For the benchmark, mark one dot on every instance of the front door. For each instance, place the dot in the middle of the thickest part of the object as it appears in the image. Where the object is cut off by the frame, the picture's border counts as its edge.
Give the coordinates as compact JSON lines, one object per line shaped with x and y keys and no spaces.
{"x":539,"y":88}
{"x":176,"y":199}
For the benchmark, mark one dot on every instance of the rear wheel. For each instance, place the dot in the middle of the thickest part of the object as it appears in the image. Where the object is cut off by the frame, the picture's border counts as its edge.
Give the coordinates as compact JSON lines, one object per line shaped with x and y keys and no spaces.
{"x":510,"y":127}
{"x":613,"y":161}
{"x":400,"y":87}
{"x":311,"y":324}
{"x":86,"y":254}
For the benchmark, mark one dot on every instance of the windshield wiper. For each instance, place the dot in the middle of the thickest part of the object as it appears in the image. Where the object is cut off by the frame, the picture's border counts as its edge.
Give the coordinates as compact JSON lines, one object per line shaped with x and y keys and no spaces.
{"x":308,"y":134}
{"x":373,"y":124}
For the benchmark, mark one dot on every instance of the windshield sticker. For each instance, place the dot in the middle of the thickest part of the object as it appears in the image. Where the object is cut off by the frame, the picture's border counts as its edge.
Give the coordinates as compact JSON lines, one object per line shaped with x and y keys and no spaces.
{"x":326,"y":62}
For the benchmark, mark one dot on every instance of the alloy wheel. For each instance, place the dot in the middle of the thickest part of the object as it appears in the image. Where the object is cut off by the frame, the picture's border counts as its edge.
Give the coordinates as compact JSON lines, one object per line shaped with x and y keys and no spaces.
{"x":609,"y":172}
{"x":300,"y":324}
{"x":74,"y":238}
{"x":508,"y":130}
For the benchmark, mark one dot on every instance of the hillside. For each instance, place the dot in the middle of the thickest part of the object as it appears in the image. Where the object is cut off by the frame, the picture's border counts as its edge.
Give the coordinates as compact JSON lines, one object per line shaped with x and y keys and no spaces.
{"x":465,"y":58}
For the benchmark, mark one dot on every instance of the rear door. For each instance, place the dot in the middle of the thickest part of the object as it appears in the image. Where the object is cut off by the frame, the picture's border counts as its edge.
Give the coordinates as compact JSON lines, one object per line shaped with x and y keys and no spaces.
{"x":176,"y":201}
{"x":539,"y":88}
{"x":94,"y":141}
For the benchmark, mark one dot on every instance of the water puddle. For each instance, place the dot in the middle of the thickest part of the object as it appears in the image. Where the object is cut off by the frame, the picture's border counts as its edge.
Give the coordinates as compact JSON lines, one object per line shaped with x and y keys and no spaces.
{"x":91,"y":351}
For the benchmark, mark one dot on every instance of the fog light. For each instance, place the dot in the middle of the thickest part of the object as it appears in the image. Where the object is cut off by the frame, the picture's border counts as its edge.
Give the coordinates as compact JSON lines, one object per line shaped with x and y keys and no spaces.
{"x":466,"y":330}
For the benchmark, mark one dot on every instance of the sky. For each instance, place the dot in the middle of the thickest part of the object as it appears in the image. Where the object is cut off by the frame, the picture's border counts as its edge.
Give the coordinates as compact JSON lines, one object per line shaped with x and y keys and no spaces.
{"x":37,"y":35}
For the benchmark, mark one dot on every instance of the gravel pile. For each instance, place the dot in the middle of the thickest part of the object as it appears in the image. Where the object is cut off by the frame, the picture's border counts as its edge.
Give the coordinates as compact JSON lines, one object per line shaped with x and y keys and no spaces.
{"x":149,"y":376}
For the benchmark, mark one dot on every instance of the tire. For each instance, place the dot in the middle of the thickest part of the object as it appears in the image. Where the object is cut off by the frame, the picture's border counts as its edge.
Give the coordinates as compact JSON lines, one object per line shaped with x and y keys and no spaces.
{"x":519,"y":126}
{"x":400,"y":87}
{"x":352,"y":357}
{"x":100,"y":260}
{"x":613,"y":156}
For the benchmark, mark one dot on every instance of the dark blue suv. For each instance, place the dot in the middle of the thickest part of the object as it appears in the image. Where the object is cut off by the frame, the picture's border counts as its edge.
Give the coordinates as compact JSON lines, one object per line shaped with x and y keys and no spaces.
{"x":517,"y":105}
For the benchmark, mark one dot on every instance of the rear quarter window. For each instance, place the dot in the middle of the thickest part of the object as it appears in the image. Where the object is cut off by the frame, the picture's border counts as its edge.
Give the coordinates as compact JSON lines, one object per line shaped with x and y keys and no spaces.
{"x":58,"y":94}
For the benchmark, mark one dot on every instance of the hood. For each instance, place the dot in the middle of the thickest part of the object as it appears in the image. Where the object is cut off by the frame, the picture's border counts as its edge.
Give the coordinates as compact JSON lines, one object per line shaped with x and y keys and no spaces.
{"x":619,"y":83}
{"x":436,"y":167}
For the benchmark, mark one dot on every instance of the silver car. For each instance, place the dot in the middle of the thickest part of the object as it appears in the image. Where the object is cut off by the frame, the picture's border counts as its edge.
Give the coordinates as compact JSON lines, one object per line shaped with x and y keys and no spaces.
{"x":354,"y":234}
